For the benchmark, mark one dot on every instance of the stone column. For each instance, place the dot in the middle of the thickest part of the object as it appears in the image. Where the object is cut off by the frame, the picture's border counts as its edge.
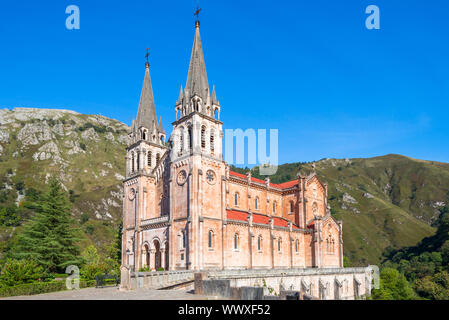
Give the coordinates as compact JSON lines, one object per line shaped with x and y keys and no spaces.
{"x":152,"y":258}
{"x":224,"y":243}
{"x":163,"y":258}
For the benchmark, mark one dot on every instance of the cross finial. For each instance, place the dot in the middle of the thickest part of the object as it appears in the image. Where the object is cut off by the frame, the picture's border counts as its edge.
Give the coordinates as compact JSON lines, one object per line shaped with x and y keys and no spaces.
{"x":197,"y":14}
{"x":146,"y":56}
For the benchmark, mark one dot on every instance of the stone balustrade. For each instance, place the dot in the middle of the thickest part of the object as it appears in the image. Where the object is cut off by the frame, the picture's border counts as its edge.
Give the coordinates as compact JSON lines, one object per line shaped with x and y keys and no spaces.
{"x":161,"y":279}
{"x":153,"y":221}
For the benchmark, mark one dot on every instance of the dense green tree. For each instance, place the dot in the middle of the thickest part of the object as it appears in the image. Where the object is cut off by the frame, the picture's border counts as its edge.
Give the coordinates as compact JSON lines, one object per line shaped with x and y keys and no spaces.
{"x":49,"y":238}
{"x":393,"y":286}
{"x":92,"y":264}
{"x":434,"y":287}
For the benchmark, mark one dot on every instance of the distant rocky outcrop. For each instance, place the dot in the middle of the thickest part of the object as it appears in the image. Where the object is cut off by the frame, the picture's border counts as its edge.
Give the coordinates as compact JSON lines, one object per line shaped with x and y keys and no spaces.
{"x":86,"y":152}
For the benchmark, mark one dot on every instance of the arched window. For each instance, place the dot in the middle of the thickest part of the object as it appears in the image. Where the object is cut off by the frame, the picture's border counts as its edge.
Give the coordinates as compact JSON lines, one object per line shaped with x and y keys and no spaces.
{"x":210,"y":239}
{"x":138,"y":160}
{"x":149,"y":158}
{"x":212,"y":142}
{"x":190,"y":138}
{"x":256,"y":203}
{"x":144,"y":135}
{"x":183,"y":239}
{"x":330,"y":244}
{"x":314,"y":208}
{"x":196,"y":104}
{"x":274,"y":206}
{"x":203,"y":137}
{"x":236,"y":199}
{"x":132,"y":162}
{"x":181,"y":141}
{"x":158,"y":158}
{"x":292,"y":207}
{"x":279,"y":244}
{"x":236,"y":241}
{"x":259,"y":243}
{"x":297,"y":245}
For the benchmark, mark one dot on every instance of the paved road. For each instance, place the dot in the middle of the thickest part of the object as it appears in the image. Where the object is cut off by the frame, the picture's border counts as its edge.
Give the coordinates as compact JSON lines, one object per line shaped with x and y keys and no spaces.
{"x":112,"y":293}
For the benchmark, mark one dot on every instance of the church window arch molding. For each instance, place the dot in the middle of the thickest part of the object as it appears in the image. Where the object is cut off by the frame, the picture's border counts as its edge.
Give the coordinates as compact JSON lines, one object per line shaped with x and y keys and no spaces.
{"x":203,"y":136}
{"x":256,"y":203}
{"x":236,"y":199}
{"x":259,"y":243}
{"x":236,"y":241}
{"x":149,"y":160}
{"x":315,"y":208}
{"x":190,"y":135}
{"x":212,"y":141}
{"x":274,"y":206}
{"x":292,"y":206}
{"x":330,"y":245}
{"x":210,"y":239}
{"x":182,"y":239}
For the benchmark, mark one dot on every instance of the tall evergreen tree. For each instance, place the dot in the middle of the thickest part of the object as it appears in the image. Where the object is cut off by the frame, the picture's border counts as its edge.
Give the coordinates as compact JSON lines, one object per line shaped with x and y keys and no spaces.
{"x":49,"y":238}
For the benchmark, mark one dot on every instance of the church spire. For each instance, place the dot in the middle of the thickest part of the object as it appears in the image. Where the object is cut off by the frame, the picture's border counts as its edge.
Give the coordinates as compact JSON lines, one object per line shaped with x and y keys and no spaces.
{"x":146,"y":114}
{"x":197,"y":77}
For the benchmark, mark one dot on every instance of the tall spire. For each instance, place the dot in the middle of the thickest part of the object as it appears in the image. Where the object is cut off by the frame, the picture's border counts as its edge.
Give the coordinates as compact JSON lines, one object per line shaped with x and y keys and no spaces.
{"x":146,"y":115}
{"x":197,"y":76}
{"x":180,"y":95}
{"x":214,"y":96}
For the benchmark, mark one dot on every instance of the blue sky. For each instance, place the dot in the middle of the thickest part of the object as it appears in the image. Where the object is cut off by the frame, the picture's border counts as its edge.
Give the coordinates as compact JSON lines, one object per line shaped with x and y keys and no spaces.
{"x":308,"y":68}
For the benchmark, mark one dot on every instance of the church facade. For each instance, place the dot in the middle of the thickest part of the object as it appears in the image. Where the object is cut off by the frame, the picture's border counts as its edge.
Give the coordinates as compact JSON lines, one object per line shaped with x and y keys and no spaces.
{"x":185,"y":209}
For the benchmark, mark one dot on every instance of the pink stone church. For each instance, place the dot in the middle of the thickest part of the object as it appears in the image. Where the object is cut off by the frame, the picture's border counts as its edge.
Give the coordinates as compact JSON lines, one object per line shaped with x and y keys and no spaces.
{"x":184,"y":209}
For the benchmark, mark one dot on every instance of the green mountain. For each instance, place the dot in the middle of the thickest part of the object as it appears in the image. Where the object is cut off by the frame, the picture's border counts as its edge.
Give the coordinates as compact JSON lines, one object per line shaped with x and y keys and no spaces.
{"x":85,"y":152}
{"x":390,"y":201}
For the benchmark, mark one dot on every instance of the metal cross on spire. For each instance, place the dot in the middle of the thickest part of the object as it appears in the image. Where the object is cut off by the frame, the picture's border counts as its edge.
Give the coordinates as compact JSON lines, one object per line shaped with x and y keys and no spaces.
{"x":197,"y":14}
{"x":146,"y":56}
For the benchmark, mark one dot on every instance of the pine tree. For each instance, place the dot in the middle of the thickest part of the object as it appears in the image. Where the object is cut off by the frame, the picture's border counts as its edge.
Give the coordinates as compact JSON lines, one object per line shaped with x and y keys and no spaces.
{"x":49,"y":238}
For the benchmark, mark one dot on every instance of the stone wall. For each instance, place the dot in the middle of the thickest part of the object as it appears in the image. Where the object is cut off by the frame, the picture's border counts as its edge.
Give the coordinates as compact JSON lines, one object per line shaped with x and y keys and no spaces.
{"x":324,"y":284}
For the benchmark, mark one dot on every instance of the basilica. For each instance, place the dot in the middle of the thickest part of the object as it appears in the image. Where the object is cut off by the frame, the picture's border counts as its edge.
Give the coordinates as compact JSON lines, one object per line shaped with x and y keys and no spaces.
{"x":184,"y":209}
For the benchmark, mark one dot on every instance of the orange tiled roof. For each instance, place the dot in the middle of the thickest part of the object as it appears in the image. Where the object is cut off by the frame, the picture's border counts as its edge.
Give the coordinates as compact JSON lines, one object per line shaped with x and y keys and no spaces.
{"x":284,"y":185}
{"x":237,"y":215}
{"x":258,"y":218}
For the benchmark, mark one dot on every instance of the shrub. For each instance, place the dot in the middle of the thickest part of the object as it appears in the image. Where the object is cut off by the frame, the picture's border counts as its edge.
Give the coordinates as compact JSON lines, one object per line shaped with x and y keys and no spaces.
{"x":89,"y":229}
{"x":16,"y":272}
{"x":39,"y":287}
{"x":145,"y":269}
{"x":92,"y":266}
{"x":20,"y":186}
{"x":84,"y":218}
